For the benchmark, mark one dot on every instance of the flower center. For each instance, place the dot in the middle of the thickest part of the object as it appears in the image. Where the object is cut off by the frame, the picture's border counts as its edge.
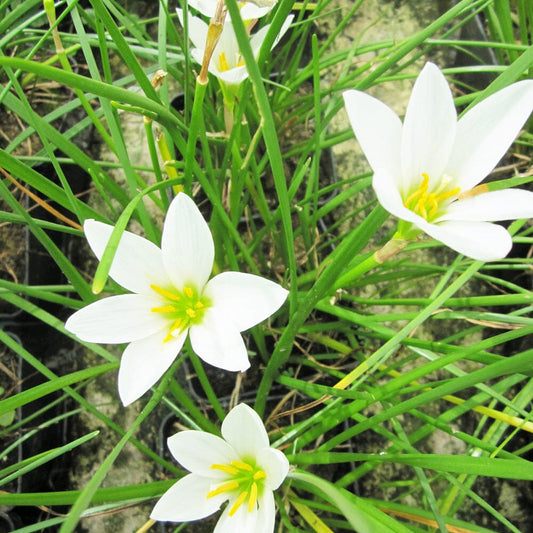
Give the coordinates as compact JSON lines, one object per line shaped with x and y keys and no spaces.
{"x":224,"y":66}
{"x":184,"y":308}
{"x":428,"y":204}
{"x":244,"y":479}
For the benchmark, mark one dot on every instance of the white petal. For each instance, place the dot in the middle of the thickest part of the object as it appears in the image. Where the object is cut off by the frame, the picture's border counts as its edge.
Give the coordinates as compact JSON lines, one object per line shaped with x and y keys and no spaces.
{"x":378,"y":130}
{"x":388,"y":194}
{"x":244,"y":298}
{"x":228,"y":44}
{"x":186,"y":500}
{"x":429,"y":128}
{"x":137,"y":262}
{"x":266,"y":514}
{"x":205,"y":7}
{"x":256,"y":40}
{"x":197,"y":29}
{"x":196,"y":451}
{"x":187,"y":244}
{"x":507,"y":204}
{"x":243,"y":429}
{"x":284,"y":27}
{"x":198,"y":55}
{"x":250,"y":11}
{"x":275,"y":465}
{"x":232,"y":76}
{"x":479,"y":240}
{"x":144,"y":362}
{"x":486,"y":131}
{"x":116,"y":319}
{"x":218,"y":342}
{"x":241,"y":522}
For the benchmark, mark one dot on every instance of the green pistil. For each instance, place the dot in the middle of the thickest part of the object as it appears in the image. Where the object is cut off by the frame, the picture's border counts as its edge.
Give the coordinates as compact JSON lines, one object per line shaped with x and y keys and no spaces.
{"x":184,"y":308}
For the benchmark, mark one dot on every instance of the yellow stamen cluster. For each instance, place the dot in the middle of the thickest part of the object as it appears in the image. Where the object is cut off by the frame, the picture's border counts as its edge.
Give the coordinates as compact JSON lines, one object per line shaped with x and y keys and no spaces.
{"x":184,"y":308}
{"x":244,"y":479}
{"x":427,"y":204}
{"x":224,"y":66}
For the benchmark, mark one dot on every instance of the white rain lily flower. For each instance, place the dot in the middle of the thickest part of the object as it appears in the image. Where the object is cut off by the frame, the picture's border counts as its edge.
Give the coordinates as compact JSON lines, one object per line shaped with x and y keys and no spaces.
{"x":240,"y":468}
{"x":171,"y":298}
{"x":426,"y":170}
{"x":227,"y":63}
{"x":250,"y":10}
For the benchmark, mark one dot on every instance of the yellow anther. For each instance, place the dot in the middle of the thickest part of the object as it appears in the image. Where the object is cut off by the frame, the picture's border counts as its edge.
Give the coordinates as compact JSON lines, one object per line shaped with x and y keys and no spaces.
{"x":198,"y":305}
{"x":420,"y":207}
{"x":190,"y":312}
{"x":433,"y":204}
{"x":420,"y":191}
{"x":259,"y":475}
{"x":449,"y":194}
{"x":253,"y":497}
{"x":223,"y":62}
{"x":242,"y":466}
{"x":427,"y":204}
{"x":238,"y":502}
{"x":232,"y":485}
{"x":165,"y":293}
{"x":163,"y":309}
{"x":188,"y":292}
{"x":176,"y":325}
{"x":225,"y":468}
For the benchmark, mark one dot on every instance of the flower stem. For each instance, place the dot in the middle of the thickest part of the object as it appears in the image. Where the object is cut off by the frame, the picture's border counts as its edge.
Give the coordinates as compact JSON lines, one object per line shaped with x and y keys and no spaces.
{"x":349,"y":247}
{"x":390,"y":249}
{"x":197,"y":121}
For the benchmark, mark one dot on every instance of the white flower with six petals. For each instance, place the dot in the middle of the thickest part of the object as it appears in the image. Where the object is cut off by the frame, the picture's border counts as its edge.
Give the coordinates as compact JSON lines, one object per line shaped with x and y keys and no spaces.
{"x":426,"y":170}
{"x":239,"y":468}
{"x":172,"y":298}
{"x":227,"y":63}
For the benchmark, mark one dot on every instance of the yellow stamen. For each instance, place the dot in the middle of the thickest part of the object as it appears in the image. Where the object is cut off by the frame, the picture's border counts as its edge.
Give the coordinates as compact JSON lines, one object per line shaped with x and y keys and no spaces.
{"x":253,"y":497}
{"x":226,"y":468}
{"x":199,"y":305}
{"x":427,"y":204}
{"x":242,"y":466}
{"x":232,"y":485}
{"x":188,"y":291}
{"x":173,"y":328}
{"x":238,"y":502}
{"x":259,"y":475}
{"x":420,"y":191}
{"x":420,"y":207}
{"x":449,"y":194}
{"x":163,"y":309}
{"x":190,"y":312}
{"x":165,"y":293}
{"x":223,"y":62}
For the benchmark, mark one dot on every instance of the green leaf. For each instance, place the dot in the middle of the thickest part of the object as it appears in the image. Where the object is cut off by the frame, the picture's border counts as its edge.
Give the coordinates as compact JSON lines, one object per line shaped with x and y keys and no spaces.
{"x":25,"y":397}
{"x":362,"y":515}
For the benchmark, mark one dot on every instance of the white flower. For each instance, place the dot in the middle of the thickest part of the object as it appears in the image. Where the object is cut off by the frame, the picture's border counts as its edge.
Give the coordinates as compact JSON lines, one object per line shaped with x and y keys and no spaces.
{"x":250,"y":10}
{"x":172,"y":298}
{"x":241,"y":469}
{"x":227,"y":63}
{"x":425,"y":170}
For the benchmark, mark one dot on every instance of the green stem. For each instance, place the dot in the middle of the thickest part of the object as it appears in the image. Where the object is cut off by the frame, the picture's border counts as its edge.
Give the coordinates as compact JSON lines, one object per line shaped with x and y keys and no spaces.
{"x":351,"y":245}
{"x":390,"y":249}
{"x":197,"y":121}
